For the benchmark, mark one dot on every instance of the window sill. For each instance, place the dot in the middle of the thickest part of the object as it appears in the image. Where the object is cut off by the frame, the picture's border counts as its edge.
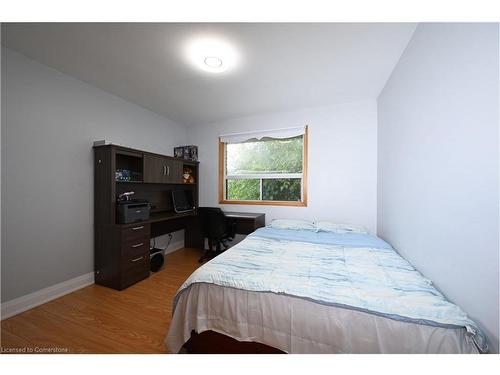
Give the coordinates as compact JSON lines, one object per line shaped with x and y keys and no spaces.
{"x":265,"y":203}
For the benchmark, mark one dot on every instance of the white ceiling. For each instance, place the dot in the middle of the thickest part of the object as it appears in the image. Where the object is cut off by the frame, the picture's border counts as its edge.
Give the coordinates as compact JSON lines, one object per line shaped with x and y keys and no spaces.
{"x":283,"y":65}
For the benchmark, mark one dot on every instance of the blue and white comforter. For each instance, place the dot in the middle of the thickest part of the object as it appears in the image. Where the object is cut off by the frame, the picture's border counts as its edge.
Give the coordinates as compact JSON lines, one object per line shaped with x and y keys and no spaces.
{"x":353,"y":271}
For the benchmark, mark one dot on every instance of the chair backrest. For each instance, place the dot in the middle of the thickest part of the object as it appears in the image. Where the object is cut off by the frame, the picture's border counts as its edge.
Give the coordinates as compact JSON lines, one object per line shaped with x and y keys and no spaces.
{"x":213,"y":222}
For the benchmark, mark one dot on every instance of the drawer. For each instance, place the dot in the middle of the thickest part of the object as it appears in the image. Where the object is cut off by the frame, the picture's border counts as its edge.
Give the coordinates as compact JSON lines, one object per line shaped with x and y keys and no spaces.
{"x":135,"y":232}
{"x":134,"y":269}
{"x":135,"y":247}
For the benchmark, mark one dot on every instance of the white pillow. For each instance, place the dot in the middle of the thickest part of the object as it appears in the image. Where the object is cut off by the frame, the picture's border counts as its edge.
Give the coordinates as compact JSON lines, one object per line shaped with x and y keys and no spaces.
{"x":326,"y":226}
{"x":292,"y":224}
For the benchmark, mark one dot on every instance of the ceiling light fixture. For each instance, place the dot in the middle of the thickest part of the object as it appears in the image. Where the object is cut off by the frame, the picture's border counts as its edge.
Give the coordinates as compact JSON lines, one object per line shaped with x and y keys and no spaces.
{"x":213,"y":62}
{"x":210,"y":54}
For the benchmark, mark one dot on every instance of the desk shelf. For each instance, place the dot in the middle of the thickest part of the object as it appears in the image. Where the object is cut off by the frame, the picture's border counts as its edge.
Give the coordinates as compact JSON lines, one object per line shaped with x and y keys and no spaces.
{"x":129,"y":166}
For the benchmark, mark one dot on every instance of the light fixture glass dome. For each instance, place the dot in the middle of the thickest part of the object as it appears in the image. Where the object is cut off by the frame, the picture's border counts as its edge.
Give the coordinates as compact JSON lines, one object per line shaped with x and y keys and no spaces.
{"x":211,"y":54}
{"x":213,"y":62}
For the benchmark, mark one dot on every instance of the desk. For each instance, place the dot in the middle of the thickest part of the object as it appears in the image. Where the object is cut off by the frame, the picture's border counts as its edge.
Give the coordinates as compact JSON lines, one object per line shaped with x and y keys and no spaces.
{"x":121,"y":251}
{"x":246,"y":223}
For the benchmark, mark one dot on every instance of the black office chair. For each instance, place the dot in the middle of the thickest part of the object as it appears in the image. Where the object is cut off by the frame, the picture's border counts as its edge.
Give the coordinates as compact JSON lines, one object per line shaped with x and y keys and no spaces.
{"x":217,"y":228}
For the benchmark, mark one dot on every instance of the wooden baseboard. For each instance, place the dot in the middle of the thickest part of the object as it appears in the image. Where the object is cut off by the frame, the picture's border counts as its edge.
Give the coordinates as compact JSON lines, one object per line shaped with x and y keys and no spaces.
{"x":28,"y":301}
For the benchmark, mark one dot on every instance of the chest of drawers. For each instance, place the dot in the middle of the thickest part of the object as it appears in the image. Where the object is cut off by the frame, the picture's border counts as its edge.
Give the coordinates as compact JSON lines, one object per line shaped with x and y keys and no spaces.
{"x":127,"y":259}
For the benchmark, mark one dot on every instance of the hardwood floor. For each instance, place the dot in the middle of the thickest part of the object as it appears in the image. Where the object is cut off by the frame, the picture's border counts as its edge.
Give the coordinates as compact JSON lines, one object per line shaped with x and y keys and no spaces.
{"x":96,"y":319}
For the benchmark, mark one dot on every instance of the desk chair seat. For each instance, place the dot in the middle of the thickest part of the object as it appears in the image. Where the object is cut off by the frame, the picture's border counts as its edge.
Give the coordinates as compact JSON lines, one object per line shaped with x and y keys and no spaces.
{"x":217,"y":228}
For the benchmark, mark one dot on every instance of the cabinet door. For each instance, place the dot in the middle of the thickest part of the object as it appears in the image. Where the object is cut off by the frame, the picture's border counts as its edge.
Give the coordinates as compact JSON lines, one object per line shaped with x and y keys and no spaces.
{"x":174,"y":171}
{"x":155,"y":169}
{"x":162,"y":170}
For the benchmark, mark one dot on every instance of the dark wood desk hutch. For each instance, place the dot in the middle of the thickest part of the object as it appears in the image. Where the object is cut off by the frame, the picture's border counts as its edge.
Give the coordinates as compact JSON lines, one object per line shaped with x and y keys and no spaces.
{"x":121,"y":251}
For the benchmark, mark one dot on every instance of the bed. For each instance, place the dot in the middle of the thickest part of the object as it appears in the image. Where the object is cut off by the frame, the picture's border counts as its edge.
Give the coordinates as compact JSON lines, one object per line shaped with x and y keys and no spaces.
{"x":306,"y":291}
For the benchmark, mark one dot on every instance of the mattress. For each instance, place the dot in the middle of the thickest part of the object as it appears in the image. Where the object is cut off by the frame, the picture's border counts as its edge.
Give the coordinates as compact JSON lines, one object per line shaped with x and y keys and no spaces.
{"x":307,"y":292}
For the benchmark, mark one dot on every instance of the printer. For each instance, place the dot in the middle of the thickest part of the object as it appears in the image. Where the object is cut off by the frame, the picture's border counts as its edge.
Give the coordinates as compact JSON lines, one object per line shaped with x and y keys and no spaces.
{"x":131,"y":210}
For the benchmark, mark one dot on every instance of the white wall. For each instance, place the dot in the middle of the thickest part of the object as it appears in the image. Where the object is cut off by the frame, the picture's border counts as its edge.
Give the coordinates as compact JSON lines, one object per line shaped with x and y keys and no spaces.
{"x":342,"y":161}
{"x":438,"y":163}
{"x":49,"y":121}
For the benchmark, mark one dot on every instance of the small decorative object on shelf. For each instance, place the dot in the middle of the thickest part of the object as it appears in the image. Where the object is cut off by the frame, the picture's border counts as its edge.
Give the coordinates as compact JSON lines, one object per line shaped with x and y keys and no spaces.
{"x":186,"y":152}
{"x":123,"y":175}
{"x":127,"y":175}
{"x":187,"y":175}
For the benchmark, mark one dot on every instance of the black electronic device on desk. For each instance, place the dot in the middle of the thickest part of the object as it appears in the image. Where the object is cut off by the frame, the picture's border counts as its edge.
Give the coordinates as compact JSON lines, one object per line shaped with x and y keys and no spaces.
{"x":183,"y":201}
{"x":131,"y":210}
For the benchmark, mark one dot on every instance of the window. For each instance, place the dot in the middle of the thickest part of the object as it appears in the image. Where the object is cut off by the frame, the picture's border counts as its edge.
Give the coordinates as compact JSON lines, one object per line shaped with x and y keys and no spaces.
{"x":268,"y":168}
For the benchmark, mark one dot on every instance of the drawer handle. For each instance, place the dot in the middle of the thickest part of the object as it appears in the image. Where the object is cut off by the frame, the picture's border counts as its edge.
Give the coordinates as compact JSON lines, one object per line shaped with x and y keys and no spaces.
{"x":138,"y":245}
{"x":168,"y":170}
{"x":137,"y":228}
{"x":164,"y":170}
{"x":136,"y":259}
